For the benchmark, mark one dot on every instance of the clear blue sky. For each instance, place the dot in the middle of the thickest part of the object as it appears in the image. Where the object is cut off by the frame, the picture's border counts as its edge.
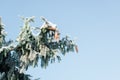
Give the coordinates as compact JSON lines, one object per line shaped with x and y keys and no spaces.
{"x":96,"y":24}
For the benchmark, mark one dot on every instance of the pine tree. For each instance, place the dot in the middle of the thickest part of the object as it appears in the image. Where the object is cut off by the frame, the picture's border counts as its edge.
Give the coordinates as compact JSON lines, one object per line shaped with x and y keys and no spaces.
{"x":46,"y":46}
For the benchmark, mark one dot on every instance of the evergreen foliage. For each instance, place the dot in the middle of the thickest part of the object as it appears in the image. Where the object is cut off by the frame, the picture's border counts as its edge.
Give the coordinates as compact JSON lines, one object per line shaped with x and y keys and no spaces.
{"x":46,"y":46}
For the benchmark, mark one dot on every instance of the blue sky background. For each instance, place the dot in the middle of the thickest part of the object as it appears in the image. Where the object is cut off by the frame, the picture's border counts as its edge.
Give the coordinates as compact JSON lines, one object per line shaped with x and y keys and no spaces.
{"x":96,"y":24}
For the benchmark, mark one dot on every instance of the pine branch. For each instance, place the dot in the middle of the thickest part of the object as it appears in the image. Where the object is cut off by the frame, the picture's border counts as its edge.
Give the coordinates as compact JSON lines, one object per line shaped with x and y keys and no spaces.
{"x":46,"y":46}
